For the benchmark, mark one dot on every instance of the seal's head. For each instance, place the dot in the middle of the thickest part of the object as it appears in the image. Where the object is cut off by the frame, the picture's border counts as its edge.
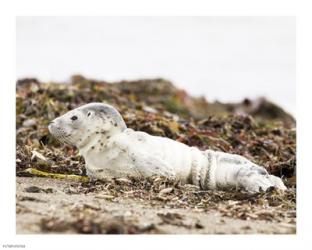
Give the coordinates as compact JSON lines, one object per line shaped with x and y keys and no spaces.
{"x":81,"y":125}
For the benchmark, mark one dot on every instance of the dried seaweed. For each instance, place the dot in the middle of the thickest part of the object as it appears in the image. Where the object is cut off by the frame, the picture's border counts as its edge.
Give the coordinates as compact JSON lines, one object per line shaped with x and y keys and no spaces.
{"x":267,"y":142}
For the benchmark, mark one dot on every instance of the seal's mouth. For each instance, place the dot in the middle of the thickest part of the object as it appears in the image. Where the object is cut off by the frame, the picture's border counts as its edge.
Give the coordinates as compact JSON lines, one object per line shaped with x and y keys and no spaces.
{"x":60,"y":134}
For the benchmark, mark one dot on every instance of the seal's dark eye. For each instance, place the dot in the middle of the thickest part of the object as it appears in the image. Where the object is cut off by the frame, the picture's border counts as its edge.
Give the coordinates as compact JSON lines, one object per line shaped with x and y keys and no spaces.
{"x":73,"y":118}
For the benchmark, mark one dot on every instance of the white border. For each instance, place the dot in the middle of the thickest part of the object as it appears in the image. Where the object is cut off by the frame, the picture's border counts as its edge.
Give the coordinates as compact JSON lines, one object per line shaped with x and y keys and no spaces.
{"x":159,"y":7}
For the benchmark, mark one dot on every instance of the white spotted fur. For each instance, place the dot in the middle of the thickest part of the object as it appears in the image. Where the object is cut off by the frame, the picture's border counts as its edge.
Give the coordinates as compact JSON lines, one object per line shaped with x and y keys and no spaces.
{"x":116,"y":151}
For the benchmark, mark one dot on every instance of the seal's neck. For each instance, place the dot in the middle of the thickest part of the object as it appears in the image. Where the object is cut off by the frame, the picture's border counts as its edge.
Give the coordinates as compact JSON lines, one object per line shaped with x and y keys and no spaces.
{"x":96,"y":140}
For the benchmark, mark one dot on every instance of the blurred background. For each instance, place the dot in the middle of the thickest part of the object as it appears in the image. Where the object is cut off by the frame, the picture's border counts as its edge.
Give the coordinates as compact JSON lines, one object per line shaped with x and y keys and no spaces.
{"x":221,"y":58}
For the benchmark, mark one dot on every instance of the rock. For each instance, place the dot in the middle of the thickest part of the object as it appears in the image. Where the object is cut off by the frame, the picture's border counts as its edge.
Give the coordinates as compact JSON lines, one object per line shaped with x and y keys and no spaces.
{"x":165,"y":191}
{"x":35,"y":189}
{"x":150,"y":110}
{"x":30,"y":123}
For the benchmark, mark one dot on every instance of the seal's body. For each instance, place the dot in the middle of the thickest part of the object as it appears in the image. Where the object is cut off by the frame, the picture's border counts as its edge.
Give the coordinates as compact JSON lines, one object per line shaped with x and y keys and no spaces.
{"x":111,"y":150}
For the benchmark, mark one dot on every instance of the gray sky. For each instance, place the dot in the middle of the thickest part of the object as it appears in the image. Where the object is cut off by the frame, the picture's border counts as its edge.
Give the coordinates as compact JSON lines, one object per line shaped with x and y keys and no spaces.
{"x":223,"y":58}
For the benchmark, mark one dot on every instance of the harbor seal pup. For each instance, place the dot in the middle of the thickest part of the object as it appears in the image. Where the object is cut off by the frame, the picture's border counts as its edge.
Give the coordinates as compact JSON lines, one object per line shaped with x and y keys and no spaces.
{"x":111,"y":150}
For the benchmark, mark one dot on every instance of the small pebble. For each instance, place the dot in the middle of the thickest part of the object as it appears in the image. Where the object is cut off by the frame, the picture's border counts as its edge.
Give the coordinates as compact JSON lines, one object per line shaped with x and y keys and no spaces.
{"x":30,"y":123}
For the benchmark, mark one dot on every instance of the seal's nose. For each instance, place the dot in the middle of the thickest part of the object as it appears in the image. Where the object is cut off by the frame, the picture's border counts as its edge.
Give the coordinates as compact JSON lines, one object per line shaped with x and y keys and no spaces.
{"x":51,"y":123}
